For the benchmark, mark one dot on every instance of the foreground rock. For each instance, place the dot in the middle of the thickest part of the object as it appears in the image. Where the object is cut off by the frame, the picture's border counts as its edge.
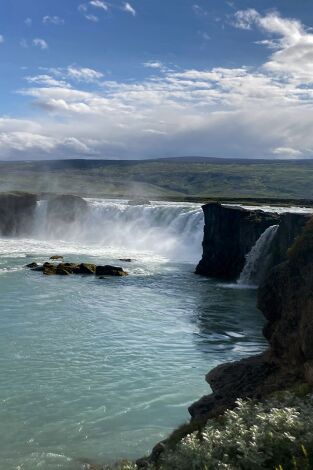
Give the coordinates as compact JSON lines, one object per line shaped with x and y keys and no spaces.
{"x":229,"y":234}
{"x":16,"y":213}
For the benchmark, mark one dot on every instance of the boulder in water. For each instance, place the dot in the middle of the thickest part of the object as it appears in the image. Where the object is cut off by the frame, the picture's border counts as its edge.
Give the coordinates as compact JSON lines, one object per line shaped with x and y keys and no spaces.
{"x":56,"y":257}
{"x":110,"y":271}
{"x":64,"y":269}
{"x":32,"y":265}
{"x":87,"y":268}
{"x":126,"y":260}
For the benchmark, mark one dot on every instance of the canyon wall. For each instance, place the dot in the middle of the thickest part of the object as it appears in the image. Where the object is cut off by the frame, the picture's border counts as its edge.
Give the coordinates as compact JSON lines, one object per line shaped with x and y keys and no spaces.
{"x":286,"y":300}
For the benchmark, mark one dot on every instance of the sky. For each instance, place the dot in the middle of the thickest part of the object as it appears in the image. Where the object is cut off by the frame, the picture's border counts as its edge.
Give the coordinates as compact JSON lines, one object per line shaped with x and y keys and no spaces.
{"x":156,"y":78}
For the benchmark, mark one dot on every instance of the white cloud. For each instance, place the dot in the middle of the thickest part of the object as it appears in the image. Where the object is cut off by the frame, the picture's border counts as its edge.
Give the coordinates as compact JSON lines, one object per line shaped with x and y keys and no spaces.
{"x":41,"y":43}
{"x":248,"y":112}
{"x":92,"y":18}
{"x":245,"y":19}
{"x":153,"y":64}
{"x":1,"y":39}
{"x":53,"y":20}
{"x":70,"y":73}
{"x":28,"y":22}
{"x":129,"y":9}
{"x":47,"y":80}
{"x":293,"y":43}
{"x":287,"y":152}
{"x":84,"y":74}
{"x":99,"y":4}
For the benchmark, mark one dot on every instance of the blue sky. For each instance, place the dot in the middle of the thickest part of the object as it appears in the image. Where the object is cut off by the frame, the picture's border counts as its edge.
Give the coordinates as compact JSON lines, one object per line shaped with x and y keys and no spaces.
{"x":150,"y":78}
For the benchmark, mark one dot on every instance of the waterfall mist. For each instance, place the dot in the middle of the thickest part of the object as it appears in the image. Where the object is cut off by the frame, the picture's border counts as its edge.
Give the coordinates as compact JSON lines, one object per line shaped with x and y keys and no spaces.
{"x":172,"y":230}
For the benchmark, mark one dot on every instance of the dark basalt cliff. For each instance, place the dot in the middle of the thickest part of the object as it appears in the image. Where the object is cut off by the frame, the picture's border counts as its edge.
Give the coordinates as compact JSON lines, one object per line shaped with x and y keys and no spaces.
{"x":229,"y":234}
{"x":286,"y":300}
{"x":16,"y":213}
{"x":290,"y":226}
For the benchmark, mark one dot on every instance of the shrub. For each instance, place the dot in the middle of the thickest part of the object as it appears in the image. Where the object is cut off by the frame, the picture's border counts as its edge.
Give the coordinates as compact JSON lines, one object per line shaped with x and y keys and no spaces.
{"x":276,"y":434}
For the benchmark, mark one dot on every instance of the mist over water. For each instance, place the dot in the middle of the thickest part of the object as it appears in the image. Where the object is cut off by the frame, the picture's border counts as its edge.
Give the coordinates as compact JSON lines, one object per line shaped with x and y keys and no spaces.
{"x":99,"y":370}
{"x":171,"y":230}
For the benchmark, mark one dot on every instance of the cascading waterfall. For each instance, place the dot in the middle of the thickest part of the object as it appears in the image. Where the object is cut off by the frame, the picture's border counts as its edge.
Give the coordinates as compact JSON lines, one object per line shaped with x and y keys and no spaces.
{"x":257,"y":258}
{"x":173,"y":230}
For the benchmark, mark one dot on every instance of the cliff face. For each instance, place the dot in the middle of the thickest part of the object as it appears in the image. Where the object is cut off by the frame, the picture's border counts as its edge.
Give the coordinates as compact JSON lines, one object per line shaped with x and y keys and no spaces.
{"x":16,"y":213}
{"x":286,"y":300}
{"x":229,"y":234}
{"x":290,"y":226}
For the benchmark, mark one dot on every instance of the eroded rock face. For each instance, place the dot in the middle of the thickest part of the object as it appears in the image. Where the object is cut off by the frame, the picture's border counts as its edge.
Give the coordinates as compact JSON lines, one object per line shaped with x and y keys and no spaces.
{"x":229,"y":234}
{"x":286,"y":300}
{"x":290,"y":227}
{"x":16,"y":213}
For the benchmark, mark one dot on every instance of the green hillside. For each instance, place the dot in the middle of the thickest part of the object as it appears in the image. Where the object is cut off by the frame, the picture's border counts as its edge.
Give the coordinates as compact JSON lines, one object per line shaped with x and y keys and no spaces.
{"x":175,"y":178}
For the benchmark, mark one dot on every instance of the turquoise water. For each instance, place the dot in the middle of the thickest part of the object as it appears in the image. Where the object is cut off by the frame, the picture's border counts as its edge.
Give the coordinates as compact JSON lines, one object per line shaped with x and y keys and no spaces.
{"x":96,"y":370}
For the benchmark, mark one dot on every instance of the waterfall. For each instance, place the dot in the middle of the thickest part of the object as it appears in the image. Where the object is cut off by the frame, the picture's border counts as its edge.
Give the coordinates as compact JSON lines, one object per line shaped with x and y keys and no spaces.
{"x":257,"y":258}
{"x":173,"y":230}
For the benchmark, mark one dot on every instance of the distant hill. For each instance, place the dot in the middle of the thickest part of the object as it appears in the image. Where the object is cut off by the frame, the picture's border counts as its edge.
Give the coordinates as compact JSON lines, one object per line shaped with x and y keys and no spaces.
{"x":182,"y":177}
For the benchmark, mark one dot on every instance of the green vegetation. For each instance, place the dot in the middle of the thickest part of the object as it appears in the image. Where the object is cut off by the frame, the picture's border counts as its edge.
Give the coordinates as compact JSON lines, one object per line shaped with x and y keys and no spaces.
{"x":276,"y":434}
{"x":164,"y":178}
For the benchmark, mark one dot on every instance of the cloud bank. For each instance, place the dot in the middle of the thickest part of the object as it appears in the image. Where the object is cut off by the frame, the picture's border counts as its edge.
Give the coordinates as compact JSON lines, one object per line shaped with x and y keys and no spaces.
{"x":232,"y":112}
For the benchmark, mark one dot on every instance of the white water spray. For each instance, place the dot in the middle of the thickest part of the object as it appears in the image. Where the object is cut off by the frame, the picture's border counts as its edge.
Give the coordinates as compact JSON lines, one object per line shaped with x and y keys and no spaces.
{"x":172,"y":230}
{"x":257,"y":258}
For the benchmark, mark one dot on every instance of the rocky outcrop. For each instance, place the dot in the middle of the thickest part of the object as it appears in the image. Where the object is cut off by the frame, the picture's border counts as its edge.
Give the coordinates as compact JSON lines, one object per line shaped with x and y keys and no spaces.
{"x":110,"y":271}
{"x":291,"y":225}
{"x":229,"y":234}
{"x":16,"y":213}
{"x":66,"y":208}
{"x":65,"y":269}
{"x":286,"y":300}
